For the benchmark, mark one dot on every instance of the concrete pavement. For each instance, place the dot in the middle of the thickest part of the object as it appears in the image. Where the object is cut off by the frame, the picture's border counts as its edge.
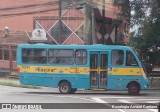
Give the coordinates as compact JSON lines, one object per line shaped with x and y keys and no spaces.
{"x":52,"y":95}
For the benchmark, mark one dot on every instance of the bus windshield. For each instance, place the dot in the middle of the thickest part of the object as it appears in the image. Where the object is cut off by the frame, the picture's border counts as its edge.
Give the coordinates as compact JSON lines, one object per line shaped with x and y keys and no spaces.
{"x":143,"y":62}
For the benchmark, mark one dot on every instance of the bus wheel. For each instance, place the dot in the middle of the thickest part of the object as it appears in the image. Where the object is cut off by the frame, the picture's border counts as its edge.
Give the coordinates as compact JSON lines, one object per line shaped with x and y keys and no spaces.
{"x":73,"y":90}
{"x":65,"y":87}
{"x":133,"y":89}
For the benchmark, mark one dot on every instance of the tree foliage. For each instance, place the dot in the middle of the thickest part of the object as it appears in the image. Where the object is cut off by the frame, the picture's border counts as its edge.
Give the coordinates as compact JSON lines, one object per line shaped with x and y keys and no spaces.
{"x":145,"y":15}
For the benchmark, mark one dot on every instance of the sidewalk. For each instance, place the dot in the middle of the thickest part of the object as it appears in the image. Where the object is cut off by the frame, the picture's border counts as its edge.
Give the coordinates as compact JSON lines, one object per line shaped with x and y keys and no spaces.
{"x":155,"y":83}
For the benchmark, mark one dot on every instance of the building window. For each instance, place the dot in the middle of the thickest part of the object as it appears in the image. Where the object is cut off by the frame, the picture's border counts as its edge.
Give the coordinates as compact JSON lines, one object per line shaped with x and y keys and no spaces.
{"x":34,"y":56}
{"x":117,"y":57}
{"x":61,"y":56}
{"x":81,"y":57}
{"x":14,"y":54}
{"x":56,"y":33}
{"x":1,"y":54}
{"x":4,"y":53}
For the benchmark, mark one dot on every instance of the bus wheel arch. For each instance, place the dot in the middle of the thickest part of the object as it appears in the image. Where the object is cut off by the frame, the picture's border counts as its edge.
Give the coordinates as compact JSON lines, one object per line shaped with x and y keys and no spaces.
{"x":133,"y":88}
{"x":65,"y":87}
{"x":73,"y":90}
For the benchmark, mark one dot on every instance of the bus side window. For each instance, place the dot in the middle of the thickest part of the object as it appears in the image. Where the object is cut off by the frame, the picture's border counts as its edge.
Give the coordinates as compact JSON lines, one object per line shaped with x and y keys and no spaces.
{"x":27,"y":55}
{"x":130,"y":59}
{"x":81,"y":56}
{"x":40,"y":56}
{"x":34,"y":56}
{"x":61,"y":56}
{"x":117,"y":57}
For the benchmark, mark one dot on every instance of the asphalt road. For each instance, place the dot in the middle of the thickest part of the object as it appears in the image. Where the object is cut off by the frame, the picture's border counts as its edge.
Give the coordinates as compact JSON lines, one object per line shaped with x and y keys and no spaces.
{"x":52,"y":95}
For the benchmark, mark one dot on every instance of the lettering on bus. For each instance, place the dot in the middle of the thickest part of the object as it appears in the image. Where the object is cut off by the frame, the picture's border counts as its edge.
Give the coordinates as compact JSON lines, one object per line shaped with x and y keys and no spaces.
{"x":41,"y":69}
{"x":74,"y":70}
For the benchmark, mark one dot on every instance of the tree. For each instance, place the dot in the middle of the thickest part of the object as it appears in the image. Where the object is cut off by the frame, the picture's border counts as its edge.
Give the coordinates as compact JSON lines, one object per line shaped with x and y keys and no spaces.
{"x":145,"y":15}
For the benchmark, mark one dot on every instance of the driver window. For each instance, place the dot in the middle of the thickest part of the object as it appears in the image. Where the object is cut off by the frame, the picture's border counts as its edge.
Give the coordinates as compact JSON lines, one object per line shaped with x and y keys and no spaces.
{"x":117,"y":57}
{"x":130,"y":59}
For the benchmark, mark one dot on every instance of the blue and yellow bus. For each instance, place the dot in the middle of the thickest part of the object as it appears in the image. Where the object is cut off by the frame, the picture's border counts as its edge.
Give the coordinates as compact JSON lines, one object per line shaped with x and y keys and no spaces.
{"x":69,"y":67}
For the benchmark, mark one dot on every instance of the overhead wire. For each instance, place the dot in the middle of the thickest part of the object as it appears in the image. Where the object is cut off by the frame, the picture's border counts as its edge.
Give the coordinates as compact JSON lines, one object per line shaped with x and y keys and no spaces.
{"x":27,"y":13}
{"x":29,"y":5}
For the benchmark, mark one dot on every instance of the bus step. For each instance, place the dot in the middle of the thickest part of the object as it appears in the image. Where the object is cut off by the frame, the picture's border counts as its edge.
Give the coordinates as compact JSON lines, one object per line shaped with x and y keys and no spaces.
{"x":98,"y":89}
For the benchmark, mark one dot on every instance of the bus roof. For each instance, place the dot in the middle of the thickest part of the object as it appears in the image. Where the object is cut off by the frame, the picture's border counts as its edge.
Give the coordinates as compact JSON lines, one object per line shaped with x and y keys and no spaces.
{"x":73,"y":46}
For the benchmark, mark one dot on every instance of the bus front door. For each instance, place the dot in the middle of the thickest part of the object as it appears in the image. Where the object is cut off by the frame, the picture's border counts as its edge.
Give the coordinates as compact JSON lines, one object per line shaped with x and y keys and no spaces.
{"x":98,"y":69}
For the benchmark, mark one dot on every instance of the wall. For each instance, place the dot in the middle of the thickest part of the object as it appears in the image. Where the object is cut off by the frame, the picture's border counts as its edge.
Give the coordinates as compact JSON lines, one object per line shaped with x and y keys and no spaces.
{"x":23,"y":21}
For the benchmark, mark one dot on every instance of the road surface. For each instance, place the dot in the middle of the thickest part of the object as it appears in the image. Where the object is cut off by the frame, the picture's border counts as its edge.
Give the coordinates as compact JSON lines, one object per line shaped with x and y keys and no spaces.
{"x":51,"y":95}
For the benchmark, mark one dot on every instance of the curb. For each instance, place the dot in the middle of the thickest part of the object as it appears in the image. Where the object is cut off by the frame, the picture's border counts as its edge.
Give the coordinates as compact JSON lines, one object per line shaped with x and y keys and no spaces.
{"x":153,"y":89}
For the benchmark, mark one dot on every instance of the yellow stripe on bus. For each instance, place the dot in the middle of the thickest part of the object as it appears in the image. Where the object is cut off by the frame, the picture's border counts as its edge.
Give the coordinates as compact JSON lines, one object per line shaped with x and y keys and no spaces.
{"x":54,"y":69}
{"x":126,"y":71}
{"x":78,"y":70}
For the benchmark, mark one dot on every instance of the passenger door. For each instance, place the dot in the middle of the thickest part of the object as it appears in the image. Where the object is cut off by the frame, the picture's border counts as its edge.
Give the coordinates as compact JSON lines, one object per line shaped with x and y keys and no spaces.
{"x":98,"y":69}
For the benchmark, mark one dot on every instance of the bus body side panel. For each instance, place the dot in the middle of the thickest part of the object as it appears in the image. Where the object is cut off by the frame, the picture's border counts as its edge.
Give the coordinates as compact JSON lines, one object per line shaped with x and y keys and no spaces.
{"x":120,"y":82}
{"x":120,"y":77}
{"x":50,"y":76}
{"x":50,"y":80}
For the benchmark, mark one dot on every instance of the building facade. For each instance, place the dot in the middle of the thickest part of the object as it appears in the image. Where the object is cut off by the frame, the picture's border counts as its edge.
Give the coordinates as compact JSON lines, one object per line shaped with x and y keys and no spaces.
{"x":94,"y":22}
{"x":65,"y":22}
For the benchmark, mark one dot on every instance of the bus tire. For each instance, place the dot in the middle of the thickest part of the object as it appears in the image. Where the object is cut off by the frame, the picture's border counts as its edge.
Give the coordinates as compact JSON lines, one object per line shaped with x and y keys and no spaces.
{"x":65,"y":87}
{"x":73,"y":90}
{"x":133,"y":89}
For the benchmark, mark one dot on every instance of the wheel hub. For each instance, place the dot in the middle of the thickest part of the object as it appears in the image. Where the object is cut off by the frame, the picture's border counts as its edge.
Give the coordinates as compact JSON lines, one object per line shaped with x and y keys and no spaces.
{"x":134,"y":89}
{"x":64,"y":88}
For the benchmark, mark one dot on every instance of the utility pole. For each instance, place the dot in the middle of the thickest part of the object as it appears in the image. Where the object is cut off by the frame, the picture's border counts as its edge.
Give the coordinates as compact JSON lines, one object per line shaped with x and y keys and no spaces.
{"x":90,"y":23}
{"x":89,"y":31}
{"x":103,"y":19}
{"x":93,"y":27}
{"x":60,"y":24}
{"x":87,"y":24}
